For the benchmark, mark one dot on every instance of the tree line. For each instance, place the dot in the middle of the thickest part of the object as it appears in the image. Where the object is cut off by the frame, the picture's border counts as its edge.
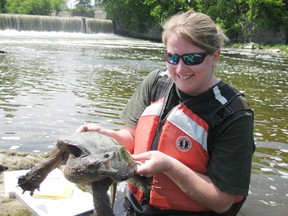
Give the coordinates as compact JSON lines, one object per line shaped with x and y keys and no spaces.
{"x":41,"y":7}
{"x":238,"y":18}
{"x":33,"y":7}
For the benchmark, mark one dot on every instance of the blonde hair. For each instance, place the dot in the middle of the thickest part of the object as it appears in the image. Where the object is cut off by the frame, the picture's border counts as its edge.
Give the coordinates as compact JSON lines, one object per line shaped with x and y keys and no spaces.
{"x":197,"y":28}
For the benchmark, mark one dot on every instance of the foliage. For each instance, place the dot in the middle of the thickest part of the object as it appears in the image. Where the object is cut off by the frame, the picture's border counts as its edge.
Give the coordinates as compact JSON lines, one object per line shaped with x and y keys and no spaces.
{"x":268,"y":13}
{"x":229,"y":15}
{"x":267,"y":47}
{"x":238,"y":18}
{"x":141,"y":15}
{"x":41,"y":7}
{"x":161,"y":9}
{"x":132,"y":14}
{"x":2,"y":6}
{"x":34,"y":7}
{"x":83,"y":5}
{"x":57,"y":4}
{"x":283,"y":48}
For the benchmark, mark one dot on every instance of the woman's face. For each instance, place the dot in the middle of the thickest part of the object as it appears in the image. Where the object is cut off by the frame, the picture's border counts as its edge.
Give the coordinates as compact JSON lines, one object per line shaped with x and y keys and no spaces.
{"x":191,"y":79}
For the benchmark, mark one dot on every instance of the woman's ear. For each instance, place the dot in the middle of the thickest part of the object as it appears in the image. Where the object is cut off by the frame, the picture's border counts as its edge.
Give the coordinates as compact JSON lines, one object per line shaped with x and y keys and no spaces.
{"x":216,"y":56}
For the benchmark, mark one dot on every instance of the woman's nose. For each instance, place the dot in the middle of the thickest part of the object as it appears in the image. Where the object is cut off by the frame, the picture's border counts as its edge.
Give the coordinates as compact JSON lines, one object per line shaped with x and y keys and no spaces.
{"x":181,"y":66}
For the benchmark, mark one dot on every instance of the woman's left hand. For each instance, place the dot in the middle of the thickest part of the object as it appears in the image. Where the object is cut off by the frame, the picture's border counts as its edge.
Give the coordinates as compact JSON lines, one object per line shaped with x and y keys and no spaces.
{"x":152,"y":162}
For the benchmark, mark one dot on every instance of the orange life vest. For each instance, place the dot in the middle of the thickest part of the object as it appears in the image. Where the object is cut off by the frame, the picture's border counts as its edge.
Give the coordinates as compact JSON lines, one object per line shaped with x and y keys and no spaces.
{"x":183,"y":135}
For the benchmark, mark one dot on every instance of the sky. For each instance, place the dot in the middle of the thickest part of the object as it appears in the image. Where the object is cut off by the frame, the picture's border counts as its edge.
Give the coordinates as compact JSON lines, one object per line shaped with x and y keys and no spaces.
{"x":71,"y":3}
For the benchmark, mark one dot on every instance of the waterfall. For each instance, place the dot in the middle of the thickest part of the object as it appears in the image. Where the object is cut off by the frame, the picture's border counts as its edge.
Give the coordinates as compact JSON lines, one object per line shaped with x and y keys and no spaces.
{"x":94,"y":25}
{"x":51,"y":23}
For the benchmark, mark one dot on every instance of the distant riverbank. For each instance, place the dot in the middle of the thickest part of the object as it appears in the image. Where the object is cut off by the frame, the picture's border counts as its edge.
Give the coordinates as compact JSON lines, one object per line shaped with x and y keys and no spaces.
{"x":272,"y":48}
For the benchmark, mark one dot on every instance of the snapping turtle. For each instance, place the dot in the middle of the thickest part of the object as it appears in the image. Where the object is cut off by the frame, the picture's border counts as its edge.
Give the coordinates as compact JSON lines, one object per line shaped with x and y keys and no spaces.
{"x":90,"y":158}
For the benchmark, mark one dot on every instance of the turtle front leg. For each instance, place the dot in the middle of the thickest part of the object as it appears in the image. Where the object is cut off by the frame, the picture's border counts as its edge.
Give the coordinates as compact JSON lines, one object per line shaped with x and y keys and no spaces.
{"x":101,"y":199}
{"x":39,"y":172}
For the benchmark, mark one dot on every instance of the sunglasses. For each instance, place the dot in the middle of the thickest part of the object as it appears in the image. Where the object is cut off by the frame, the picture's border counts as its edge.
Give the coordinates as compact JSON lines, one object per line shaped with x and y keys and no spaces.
{"x":188,"y":59}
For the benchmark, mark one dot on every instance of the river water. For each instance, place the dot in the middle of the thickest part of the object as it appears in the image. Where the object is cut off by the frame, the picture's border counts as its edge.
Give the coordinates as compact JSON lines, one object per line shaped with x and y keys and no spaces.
{"x":51,"y":83}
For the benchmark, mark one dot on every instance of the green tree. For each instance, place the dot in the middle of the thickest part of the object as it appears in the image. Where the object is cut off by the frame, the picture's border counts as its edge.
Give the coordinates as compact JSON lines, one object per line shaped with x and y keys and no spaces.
{"x":131,"y":14}
{"x":141,"y":15}
{"x":57,"y":4}
{"x":161,"y":9}
{"x":237,"y":18}
{"x":40,"y":7}
{"x":268,"y":14}
{"x":2,"y":6}
{"x":34,"y":7}
{"x":83,"y":5}
{"x":229,"y":15}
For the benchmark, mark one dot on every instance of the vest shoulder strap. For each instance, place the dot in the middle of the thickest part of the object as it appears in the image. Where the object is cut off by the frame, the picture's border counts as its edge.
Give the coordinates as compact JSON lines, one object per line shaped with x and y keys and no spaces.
{"x":161,"y":85}
{"x":237,"y":104}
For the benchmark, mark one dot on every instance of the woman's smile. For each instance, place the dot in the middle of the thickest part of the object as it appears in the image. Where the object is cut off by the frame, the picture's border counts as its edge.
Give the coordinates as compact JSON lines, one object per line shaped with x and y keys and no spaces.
{"x":185,"y":77}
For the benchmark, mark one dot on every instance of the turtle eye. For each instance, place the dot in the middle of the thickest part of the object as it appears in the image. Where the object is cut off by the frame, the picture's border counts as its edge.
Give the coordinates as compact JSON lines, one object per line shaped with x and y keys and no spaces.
{"x":109,"y":155}
{"x":106,"y":155}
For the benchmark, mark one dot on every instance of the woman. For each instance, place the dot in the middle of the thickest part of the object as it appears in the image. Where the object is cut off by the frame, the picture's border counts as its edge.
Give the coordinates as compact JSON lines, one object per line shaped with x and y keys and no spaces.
{"x":190,"y":133}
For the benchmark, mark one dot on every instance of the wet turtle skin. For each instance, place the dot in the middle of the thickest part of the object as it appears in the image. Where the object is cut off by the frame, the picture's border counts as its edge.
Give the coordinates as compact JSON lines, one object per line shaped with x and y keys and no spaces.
{"x":90,"y":158}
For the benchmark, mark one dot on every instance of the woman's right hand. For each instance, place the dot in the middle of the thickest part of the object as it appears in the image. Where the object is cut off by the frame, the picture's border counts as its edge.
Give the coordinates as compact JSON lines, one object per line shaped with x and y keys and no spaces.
{"x":89,"y":127}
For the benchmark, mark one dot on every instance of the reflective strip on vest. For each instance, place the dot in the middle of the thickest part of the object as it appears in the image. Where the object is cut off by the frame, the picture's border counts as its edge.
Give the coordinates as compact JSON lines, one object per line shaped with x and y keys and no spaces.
{"x":189,"y":126}
{"x":219,"y":96}
{"x":154,"y":108}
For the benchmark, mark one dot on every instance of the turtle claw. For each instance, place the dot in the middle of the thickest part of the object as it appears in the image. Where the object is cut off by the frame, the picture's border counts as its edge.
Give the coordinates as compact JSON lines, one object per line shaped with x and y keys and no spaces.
{"x":27,"y":185}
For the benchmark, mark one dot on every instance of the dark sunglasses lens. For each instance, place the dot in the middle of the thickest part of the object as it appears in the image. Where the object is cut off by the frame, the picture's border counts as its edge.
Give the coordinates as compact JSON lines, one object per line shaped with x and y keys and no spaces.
{"x":172,"y":58}
{"x":194,"y":59}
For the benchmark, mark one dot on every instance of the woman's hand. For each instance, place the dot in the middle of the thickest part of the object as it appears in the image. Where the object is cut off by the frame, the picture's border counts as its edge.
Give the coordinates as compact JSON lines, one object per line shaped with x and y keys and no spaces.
{"x":152,"y":162}
{"x":89,"y":127}
{"x":195,"y":185}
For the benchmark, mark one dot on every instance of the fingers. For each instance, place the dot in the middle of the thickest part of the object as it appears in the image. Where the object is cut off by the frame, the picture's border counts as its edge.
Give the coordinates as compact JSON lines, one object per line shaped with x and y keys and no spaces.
{"x":143,"y":165}
{"x":88,"y":127}
{"x":151,"y":162}
{"x":82,"y":128}
{"x":142,"y":157}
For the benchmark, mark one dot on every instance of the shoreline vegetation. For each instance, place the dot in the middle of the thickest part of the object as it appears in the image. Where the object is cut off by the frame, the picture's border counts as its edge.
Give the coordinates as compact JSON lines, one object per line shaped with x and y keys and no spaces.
{"x":272,"y":48}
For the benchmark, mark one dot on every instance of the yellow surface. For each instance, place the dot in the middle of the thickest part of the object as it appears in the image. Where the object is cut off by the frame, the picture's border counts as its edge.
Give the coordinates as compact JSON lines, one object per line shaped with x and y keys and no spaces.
{"x":54,"y":194}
